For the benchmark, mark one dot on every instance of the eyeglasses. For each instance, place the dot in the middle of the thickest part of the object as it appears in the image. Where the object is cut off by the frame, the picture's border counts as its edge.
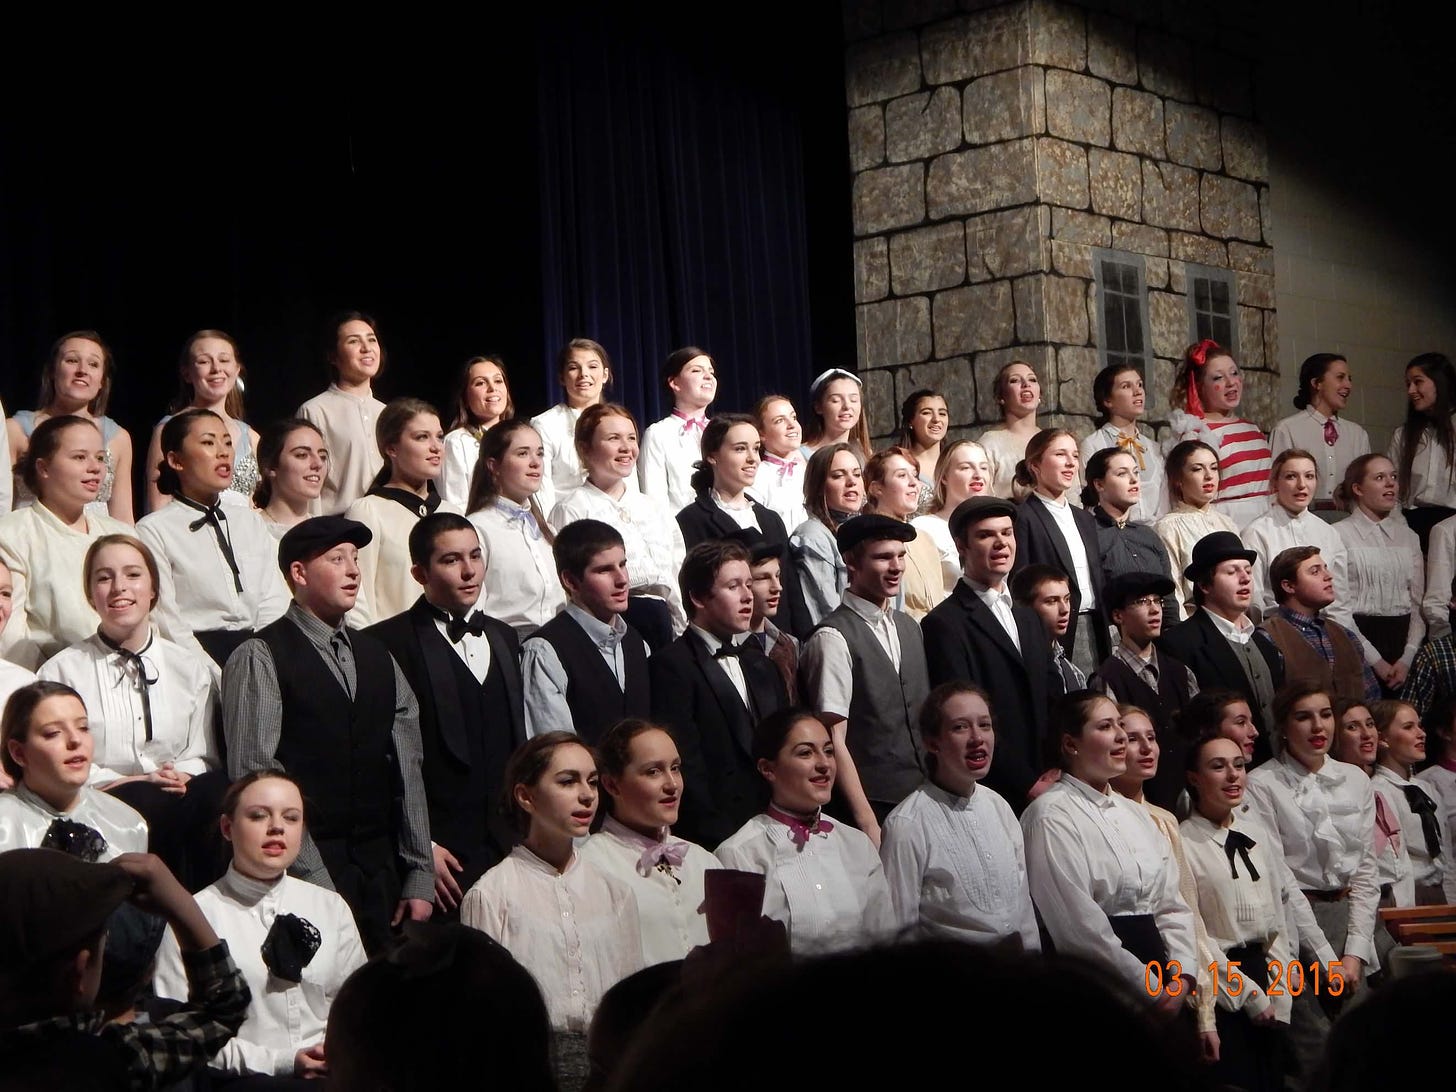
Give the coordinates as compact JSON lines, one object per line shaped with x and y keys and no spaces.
{"x":1147,"y":602}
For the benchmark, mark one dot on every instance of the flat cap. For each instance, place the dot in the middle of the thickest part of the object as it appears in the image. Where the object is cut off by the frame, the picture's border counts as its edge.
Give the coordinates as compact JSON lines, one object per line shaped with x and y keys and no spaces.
{"x":53,"y":902}
{"x":974,"y":509}
{"x":312,"y":537}
{"x":1123,"y":588}
{"x":872,"y":528}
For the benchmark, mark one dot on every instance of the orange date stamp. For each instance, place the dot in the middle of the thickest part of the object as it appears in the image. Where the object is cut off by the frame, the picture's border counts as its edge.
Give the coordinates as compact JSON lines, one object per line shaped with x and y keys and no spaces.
{"x":1286,"y":979}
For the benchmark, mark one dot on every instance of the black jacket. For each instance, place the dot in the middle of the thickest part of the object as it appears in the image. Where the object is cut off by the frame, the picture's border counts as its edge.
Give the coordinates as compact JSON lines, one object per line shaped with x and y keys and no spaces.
{"x":1039,"y":541}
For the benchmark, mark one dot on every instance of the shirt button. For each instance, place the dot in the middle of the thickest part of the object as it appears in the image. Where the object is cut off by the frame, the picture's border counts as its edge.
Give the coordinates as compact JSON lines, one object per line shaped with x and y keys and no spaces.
{"x":818,"y":887}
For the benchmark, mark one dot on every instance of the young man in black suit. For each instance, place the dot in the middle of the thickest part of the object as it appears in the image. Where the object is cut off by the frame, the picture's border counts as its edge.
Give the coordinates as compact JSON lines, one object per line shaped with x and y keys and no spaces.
{"x":710,"y":687}
{"x":464,"y":669}
{"x":979,"y":635}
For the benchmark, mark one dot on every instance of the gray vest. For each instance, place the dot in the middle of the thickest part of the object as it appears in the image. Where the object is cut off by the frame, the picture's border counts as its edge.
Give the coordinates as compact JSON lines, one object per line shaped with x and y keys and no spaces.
{"x":882,"y":734}
{"x":1256,"y":670}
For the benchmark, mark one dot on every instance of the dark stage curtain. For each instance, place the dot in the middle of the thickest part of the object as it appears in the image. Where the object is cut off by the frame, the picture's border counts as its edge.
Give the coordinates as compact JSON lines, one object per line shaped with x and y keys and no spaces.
{"x":673,"y":211}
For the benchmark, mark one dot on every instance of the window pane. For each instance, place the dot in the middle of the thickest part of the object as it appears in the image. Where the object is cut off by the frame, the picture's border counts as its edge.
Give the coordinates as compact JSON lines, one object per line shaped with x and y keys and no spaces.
{"x":1223,"y":330}
{"x":1201,"y":293}
{"x":1220,"y":297}
{"x":1133,"y":318}
{"x":1112,"y":328}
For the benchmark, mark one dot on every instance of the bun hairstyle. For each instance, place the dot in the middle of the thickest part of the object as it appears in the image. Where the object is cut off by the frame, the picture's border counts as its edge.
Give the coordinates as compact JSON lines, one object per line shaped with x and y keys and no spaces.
{"x":1311,"y":372}
{"x":526,"y":766}
{"x":186,"y":393}
{"x":1291,"y":694}
{"x":677,"y":360}
{"x":769,"y":733}
{"x":97,"y":406}
{"x":614,"y":749}
{"x":584,"y":345}
{"x":330,"y":341}
{"x":1097,"y":468}
{"x":1355,"y":475}
{"x":1185,"y":394}
{"x":999,"y":383}
{"x":270,"y":453}
{"x":45,"y":441}
{"x":1068,"y":716}
{"x":715,"y":433}
{"x":1201,"y":717}
{"x":234,"y":794}
{"x":1036,"y":447}
{"x":485,"y":487}
{"x":1102,"y":387}
{"x":463,"y":417}
{"x":174,"y":433}
{"x":591,"y":418}
{"x":393,"y":420}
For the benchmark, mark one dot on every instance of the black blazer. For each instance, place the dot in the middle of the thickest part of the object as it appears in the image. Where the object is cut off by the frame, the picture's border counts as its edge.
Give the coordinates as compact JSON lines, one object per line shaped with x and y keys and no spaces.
{"x":1198,"y":643}
{"x":722,"y":788}
{"x":964,"y":642}
{"x":1039,"y":541}
{"x":703,"y":520}
{"x":422,"y":654}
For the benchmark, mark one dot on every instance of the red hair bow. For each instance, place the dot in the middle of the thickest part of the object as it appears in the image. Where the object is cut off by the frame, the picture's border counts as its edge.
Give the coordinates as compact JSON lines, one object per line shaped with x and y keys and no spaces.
{"x":1198,"y":357}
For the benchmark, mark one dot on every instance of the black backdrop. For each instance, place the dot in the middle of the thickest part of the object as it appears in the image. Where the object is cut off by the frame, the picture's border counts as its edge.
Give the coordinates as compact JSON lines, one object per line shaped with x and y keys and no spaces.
{"x":147,"y":203}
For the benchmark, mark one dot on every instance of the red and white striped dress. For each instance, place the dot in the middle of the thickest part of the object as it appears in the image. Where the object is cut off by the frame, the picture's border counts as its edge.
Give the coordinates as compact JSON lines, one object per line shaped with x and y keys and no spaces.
{"x":1244,"y":461}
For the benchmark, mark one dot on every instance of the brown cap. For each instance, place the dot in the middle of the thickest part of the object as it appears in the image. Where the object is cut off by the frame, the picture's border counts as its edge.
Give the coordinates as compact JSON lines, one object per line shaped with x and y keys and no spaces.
{"x":53,"y":902}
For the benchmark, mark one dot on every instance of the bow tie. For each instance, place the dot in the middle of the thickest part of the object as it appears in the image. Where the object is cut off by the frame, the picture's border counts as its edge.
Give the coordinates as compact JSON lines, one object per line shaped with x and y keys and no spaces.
{"x":726,"y":649}
{"x":1332,"y":433}
{"x":146,"y":675}
{"x":290,"y":946}
{"x":1135,"y":446}
{"x":786,"y":467}
{"x":523,"y":516}
{"x":76,"y":839}
{"x":457,"y":628}
{"x":800,"y":831}
{"x":1240,"y":843}
{"x":691,"y":423}
{"x":663,"y":856}
{"x":214,"y":515}
{"x":1425,"y":807}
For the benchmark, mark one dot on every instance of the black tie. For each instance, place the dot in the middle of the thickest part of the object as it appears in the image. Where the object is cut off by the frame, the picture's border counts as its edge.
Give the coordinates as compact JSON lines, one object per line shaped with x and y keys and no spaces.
{"x":726,"y":649}
{"x":144,"y":678}
{"x":213,"y":514}
{"x":457,"y":628}
{"x":1425,"y":807}
{"x":1238,"y":841}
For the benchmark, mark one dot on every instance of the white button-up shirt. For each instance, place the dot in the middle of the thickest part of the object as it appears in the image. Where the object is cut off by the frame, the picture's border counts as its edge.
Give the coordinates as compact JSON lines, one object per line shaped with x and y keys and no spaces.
{"x":1424,"y":870}
{"x":999,"y":602}
{"x":1385,"y":575}
{"x":1153,"y":496}
{"x":1432,"y":477}
{"x":1440,"y":572}
{"x":826,"y":664}
{"x":544,"y":679}
{"x":462,"y":449}
{"x":1306,"y":430}
{"x":521,"y":587}
{"x":347,"y":423}
{"x":670,"y":447}
{"x":1277,"y":530}
{"x":779,"y":487}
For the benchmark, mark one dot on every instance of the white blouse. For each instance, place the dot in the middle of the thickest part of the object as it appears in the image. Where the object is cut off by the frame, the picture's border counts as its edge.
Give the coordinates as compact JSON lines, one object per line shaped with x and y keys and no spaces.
{"x":575,"y":931}
{"x":956,"y":866}
{"x":283,"y":1017}
{"x":779,"y":486}
{"x":462,"y":449}
{"x":1092,"y":856}
{"x":1153,"y":497}
{"x":47,"y":560}
{"x":1440,"y":572}
{"x":25,"y":818}
{"x":1004,"y":450}
{"x":1275,"y":531}
{"x":197,"y":592}
{"x":1306,"y":430}
{"x":1422,"y":869}
{"x":1180,"y":531}
{"x":521,"y":586}
{"x":1325,"y":826}
{"x":1440,"y":782}
{"x":1432,"y":479}
{"x":386,"y":587}
{"x":830,"y":893}
{"x":183,"y":697}
{"x":1384,"y":575}
{"x":347,"y":423}
{"x":650,"y":533}
{"x":557,"y":429}
{"x":669,"y":898}
{"x":937,"y":529}
{"x":670,"y":447}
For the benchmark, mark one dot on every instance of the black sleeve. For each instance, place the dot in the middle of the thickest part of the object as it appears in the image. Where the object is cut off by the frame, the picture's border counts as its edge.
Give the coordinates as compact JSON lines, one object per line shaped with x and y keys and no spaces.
{"x":673,"y":707}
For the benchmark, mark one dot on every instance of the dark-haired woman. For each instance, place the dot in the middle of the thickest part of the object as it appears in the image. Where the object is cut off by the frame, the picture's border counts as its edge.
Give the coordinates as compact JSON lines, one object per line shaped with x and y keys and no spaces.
{"x":1193,"y":477}
{"x":824,"y":878}
{"x":893,"y":489}
{"x":1112,"y":494}
{"x":482,"y":401}
{"x":1325,"y":384}
{"x":44,"y":544}
{"x":780,"y":481}
{"x":219,"y":567}
{"x":642,"y":774}
{"x":1118,"y":393}
{"x":672,"y":446}
{"x":1428,"y":873}
{"x":346,"y":414}
{"x":833,"y":493}
{"x":1423,"y":448}
{"x":292,"y":460}
{"x":924,"y":422}
{"x":952,"y":850}
{"x":837,"y":414}
{"x":521,"y":585}
{"x":77,"y":382}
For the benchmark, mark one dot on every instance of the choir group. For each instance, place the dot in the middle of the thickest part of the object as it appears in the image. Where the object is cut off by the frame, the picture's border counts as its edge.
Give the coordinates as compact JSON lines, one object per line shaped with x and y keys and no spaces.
{"x":1185,"y":709}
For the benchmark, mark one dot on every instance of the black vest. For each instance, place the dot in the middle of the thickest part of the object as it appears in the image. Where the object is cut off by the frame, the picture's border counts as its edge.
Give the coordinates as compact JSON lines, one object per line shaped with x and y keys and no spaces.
{"x":1162,"y":705}
{"x":592,"y":693}
{"x":341,"y":752}
{"x":466,"y":820}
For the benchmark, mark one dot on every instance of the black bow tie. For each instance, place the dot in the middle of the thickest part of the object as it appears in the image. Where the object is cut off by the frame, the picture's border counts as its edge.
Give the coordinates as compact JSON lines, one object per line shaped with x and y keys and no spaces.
{"x":290,"y":946}
{"x":457,"y":628}
{"x":146,"y":676}
{"x":214,"y":515}
{"x":726,"y":649}
{"x":76,"y":839}
{"x":1239,"y":842}
{"x":1425,"y":807}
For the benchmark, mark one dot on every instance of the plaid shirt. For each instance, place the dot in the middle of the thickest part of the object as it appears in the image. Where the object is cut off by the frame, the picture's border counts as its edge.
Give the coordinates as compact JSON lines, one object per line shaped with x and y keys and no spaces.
{"x":1432,"y":674}
{"x":1312,"y":629}
{"x":159,"y":1055}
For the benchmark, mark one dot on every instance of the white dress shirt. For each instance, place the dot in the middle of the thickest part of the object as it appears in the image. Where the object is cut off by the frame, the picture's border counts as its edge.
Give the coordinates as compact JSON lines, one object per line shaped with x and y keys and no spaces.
{"x":956,"y":866}
{"x":386,"y":587}
{"x":830,"y":893}
{"x":937,"y":530}
{"x":183,"y":696}
{"x":779,"y":487}
{"x":1061,"y":513}
{"x":1325,"y":825}
{"x":669,"y":899}
{"x":46,"y":560}
{"x":1432,"y":479}
{"x":670,"y":447}
{"x":544,"y":679}
{"x":521,"y":587}
{"x":1003,"y":451}
{"x":1180,"y":531}
{"x":25,"y":818}
{"x":826,"y":664}
{"x":1277,"y":530}
{"x":575,"y":931}
{"x":650,"y":533}
{"x":1153,"y":496}
{"x":1424,"y":870}
{"x":197,"y":592}
{"x":1385,"y":575}
{"x":564,"y":472}
{"x":12,"y":678}
{"x":462,"y":449}
{"x":998,"y":600}
{"x":347,"y":423}
{"x":731,"y":666}
{"x":1440,"y":572}
{"x":473,"y":650}
{"x":1306,"y":430}
{"x":283,"y":1017}
{"x":1440,"y":782}
{"x":1092,"y":856}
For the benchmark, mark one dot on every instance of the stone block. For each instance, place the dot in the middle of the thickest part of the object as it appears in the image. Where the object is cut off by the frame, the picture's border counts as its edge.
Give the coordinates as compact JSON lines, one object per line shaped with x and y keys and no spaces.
{"x":879,"y":394}
{"x":862,"y":18}
{"x":1255,"y":289}
{"x":928,"y":258}
{"x":979,"y":180}
{"x":1066,"y":311}
{"x":1116,"y":183}
{"x":1159,"y":387}
{"x":1170,"y":196}
{"x":1225,"y":81}
{"x":1266,"y":215}
{"x":1168,"y":323}
{"x":1229,"y":209}
{"x":893,"y":332}
{"x":1193,"y":136}
{"x":1245,"y":150}
{"x":1155,"y":272}
{"x":975,"y":45}
{"x":1251,"y":258}
{"x":903,"y":14}
{"x":1140,"y":239}
{"x":1072,"y":259}
{"x":1081,"y":227}
{"x":1271,"y":338}
{"x":1041,"y":357}
{"x":1260,"y":402}
{"x":1251,"y":338}
{"x":1077,"y":366}
{"x":1058,"y":34}
{"x":1061,"y":173}
{"x":871,"y":269}
{"x":1198,"y":248}
{"x":889,"y":197}
{"x":1177,"y":277}
{"x":882,"y":68}
{"x":1165,"y":64}
{"x":1004,"y":106}
{"x":866,"y":137}
{"x":1111,"y":48}
{"x":1007,"y":244}
{"x":922,"y":125}
{"x":969,"y":319}
{"x":954,"y":378}
{"x":1137,"y":122}
{"x":1078,"y":107}
{"x":1030,"y":297}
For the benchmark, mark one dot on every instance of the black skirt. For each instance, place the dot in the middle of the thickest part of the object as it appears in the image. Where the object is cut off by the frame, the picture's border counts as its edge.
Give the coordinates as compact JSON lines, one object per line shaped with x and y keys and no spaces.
{"x":1139,"y":935}
{"x":1387,"y":634}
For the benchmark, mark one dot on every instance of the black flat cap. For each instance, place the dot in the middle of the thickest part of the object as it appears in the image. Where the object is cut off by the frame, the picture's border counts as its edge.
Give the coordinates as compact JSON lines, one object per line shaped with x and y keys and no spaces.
{"x":306,"y":540}
{"x":1123,"y":588}
{"x":52,"y":903}
{"x":872,"y":528}
{"x":758,"y":547}
{"x":974,"y":509}
{"x":1209,"y":550}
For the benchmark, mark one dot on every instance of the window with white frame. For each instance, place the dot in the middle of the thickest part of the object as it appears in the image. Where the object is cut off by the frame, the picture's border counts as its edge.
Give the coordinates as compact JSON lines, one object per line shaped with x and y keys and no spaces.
{"x":1213,"y":306}
{"x":1122,"y":302}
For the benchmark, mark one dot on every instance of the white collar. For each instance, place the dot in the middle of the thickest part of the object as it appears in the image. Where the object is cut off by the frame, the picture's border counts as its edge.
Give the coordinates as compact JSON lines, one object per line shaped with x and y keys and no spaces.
{"x":865,"y":609}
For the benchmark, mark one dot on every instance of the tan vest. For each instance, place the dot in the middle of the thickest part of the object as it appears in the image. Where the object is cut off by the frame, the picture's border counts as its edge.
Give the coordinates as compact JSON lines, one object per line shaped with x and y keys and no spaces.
{"x":1303,"y":661}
